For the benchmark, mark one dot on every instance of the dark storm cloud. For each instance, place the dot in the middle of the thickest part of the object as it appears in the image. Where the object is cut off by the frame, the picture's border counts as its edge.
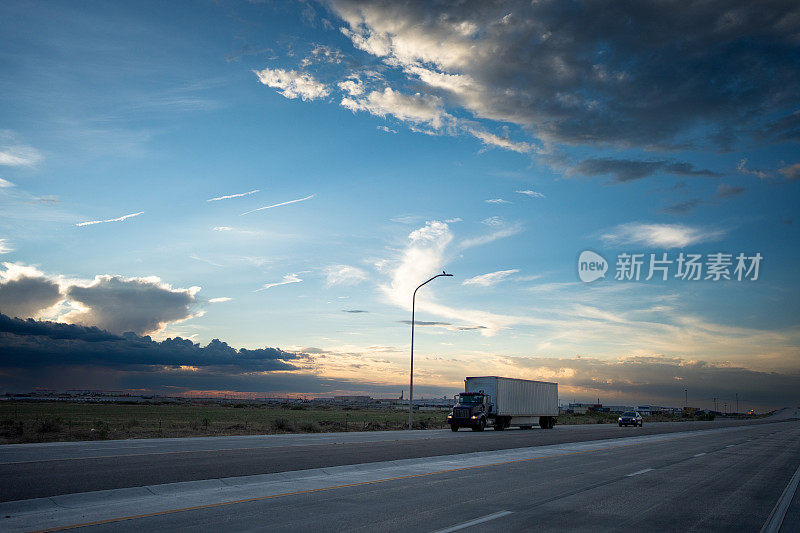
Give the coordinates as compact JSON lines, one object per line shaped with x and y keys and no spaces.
{"x":623,"y":170}
{"x":645,"y":379}
{"x":35,"y":344}
{"x":25,"y":296}
{"x":621,"y":73}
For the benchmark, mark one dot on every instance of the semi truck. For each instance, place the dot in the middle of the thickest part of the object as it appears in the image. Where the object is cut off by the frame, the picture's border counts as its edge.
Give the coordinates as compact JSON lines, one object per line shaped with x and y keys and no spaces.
{"x":491,"y":401}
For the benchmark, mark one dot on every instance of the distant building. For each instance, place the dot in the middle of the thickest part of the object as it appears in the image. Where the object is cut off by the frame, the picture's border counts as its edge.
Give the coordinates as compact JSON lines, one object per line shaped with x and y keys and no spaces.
{"x":352,"y":399}
{"x":583,"y":408}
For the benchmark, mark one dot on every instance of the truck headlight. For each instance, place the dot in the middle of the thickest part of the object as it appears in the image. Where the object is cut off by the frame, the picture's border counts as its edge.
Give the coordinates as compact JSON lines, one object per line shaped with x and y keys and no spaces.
{"x":474,"y":416}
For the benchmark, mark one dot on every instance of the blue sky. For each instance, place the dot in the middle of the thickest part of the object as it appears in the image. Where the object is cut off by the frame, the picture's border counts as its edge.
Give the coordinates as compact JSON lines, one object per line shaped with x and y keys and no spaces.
{"x":496,"y":141}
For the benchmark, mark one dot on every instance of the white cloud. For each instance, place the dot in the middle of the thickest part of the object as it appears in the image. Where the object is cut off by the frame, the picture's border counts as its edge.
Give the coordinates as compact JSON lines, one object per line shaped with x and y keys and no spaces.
{"x":344,"y":275}
{"x":532,"y":194}
{"x":118,"y":304}
{"x":423,"y":256}
{"x":219,"y":300}
{"x":5,"y":247}
{"x":287,"y":279}
{"x":222,"y":228}
{"x":25,"y":291}
{"x":493,"y":221}
{"x":491,"y":237}
{"x":500,"y":142}
{"x":4,"y":184}
{"x":19,"y":155}
{"x":491,"y":278}
{"x":293,"y":84}
{"x":229,"y":196}
{"x":204,"y":260}
{"x":323,"y":54}
{"x":417,"y":108}
{"x":497,"y":201}
{"x":118,"y":219}
{"x":386,"y":129}
{"x":352,"y":87}
{"x":660,"y":235}
{"x":280,"y":204}
{"x":453,"y":220}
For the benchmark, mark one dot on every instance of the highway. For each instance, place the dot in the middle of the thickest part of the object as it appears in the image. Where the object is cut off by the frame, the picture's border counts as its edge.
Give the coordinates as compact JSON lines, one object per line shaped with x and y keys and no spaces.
{"x":718,"y":476}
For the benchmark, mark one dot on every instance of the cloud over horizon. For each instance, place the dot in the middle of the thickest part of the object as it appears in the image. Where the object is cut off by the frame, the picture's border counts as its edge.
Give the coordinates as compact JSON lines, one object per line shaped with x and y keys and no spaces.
{"x":57,"y":355}
{"x":114,"y":303}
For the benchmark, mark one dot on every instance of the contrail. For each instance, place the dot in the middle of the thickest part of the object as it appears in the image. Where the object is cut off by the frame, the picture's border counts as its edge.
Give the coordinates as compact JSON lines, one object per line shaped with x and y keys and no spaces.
{"x":280,"y":204}
{"x":232,"y":196}
{"x":120,"y":219}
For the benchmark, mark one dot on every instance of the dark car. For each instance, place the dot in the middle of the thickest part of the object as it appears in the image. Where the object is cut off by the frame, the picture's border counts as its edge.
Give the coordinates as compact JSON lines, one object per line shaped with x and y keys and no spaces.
{"x":630,"y":419}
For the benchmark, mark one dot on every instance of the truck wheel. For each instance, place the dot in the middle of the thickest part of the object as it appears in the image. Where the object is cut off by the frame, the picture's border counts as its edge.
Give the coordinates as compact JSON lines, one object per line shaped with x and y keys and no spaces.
{"x":481,"y":425}
{"x":453,"y":427}
{"x":499,"y":425}
{"x":620,"y":424}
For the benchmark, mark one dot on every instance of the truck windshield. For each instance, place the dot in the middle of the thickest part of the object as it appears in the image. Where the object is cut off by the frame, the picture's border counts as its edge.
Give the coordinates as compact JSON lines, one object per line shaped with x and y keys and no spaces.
{"x":470,"y":399}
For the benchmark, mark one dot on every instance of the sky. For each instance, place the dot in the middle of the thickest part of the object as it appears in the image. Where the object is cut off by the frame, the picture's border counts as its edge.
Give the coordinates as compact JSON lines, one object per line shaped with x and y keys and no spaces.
{"x":215,"y":198}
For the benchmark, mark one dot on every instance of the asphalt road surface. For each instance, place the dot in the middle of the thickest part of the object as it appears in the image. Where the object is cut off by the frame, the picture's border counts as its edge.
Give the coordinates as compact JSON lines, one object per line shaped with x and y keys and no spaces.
{"x":701,"y":476}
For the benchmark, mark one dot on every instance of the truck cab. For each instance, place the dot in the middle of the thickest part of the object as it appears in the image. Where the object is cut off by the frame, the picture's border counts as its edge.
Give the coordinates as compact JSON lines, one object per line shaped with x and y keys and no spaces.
{"x":471,"y":409}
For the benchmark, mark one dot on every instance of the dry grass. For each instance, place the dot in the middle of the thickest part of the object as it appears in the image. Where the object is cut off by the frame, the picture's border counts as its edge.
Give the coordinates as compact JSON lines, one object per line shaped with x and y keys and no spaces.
{"x":54,"y":421}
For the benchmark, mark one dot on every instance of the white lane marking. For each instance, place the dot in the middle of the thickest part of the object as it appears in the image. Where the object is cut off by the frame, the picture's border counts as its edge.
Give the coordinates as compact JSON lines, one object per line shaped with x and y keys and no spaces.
{"x":775,"y":520}
{"x":639,"y":472}
{"x":730,"y":445}
{"x":699,"y":454}
{"x":475,"y":522}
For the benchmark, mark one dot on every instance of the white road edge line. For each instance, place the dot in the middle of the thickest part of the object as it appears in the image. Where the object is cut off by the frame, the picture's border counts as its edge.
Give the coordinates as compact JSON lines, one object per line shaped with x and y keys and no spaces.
{"x":775,"y":520}
{"x":639,"y":472}
{"x":699,"y":454}
{"x":475,"y":522}
{"x":730,"y":445}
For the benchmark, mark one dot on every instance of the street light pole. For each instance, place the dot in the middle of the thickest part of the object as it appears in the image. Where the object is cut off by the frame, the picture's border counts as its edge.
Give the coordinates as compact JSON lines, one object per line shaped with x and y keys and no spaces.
{"x":411,"y":383}
{"x":686,"y":398}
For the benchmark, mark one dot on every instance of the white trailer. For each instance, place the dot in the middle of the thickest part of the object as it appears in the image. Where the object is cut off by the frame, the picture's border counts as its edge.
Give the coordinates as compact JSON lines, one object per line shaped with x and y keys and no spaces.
{"x":502,"y":402}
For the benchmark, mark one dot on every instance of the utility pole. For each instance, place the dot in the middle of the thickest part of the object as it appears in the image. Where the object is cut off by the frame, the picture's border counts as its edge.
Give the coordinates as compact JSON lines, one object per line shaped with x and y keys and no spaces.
{"x":411,"y":379}
{"x":685,"y":399}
